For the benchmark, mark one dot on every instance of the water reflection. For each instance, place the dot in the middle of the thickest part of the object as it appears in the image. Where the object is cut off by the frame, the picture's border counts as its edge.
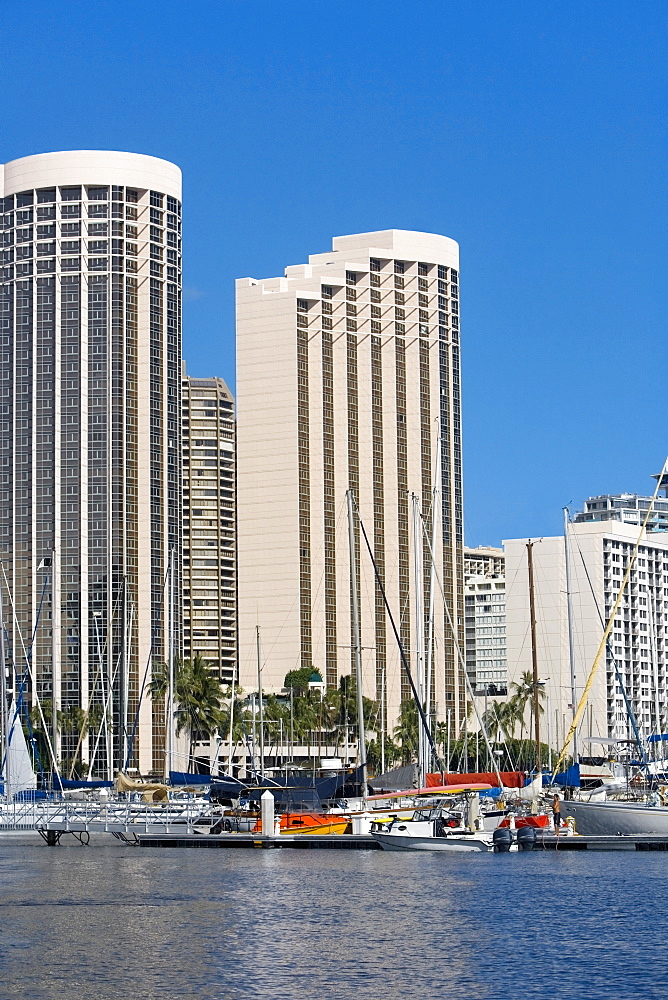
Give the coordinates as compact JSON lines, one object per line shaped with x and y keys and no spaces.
{"x":109,"y":921}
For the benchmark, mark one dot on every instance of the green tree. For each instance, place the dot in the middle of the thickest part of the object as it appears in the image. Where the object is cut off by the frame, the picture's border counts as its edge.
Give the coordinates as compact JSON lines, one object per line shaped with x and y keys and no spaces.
{"x":374,"y":754}
{"x":197,"y":698}
{"x":406,"y":730}
{"x":298,"y":680}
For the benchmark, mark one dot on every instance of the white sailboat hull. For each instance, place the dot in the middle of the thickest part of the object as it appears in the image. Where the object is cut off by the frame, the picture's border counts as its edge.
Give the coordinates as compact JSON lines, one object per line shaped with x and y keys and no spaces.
{"x":616,"y":818}
{"x":454,"y":843}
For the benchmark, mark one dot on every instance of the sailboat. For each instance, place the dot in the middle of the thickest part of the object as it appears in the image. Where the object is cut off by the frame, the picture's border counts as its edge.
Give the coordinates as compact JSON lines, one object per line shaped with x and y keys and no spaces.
{"x":17,"y":771}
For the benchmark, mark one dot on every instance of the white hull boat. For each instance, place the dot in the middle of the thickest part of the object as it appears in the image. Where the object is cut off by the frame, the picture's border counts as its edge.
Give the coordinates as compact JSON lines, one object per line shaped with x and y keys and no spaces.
{"x":616,"y":818}
{"x":457,"y":841}
{"x":435,"y":829}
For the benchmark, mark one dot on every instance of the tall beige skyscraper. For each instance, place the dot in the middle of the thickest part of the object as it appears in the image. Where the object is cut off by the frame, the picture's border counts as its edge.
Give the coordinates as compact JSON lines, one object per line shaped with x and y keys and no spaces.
{"x":209,"y":571}
{"x":348,"y":377}
{"x":90,"y":348}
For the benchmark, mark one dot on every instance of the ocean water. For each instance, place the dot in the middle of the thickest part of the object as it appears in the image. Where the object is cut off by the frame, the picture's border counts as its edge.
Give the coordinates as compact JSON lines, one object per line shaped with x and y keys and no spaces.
{"x":108,"y":921}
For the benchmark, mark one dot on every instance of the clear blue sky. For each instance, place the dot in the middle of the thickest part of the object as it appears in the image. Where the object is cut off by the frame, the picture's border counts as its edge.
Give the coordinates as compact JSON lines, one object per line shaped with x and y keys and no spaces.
{"x":534,"y":133}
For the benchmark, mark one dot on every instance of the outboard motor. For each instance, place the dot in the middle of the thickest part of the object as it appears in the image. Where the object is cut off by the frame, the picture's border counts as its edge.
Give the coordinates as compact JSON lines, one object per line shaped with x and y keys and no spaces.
{"x":502,"y":839}
{"x":526,"y":838}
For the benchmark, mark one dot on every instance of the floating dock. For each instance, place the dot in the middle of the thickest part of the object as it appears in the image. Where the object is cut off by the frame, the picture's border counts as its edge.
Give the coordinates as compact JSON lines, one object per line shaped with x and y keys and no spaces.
{"x":364,"y":842}
{"x":300,"y":841}
{"x":603,"y":842}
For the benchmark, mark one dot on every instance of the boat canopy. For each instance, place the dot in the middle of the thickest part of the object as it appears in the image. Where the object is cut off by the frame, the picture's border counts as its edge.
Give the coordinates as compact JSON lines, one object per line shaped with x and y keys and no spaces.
{"x":76,"y":783}
{"x":182,"y":778}
{"x":396,"y":780}
{"x":570,"y":778}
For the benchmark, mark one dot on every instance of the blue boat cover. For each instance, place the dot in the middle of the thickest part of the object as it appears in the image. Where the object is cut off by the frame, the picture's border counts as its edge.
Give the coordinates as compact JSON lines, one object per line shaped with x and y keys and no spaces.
{"x":570,"y":778}
{"x":69,"y":783}
{"x":189,"y":778}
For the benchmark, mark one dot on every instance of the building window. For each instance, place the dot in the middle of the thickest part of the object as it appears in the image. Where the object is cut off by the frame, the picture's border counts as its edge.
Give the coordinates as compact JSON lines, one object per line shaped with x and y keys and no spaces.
{"x":351,"y":278}
{"x":423,"y":268}
{"x":399,"y":267}
{"x":374,"y":264}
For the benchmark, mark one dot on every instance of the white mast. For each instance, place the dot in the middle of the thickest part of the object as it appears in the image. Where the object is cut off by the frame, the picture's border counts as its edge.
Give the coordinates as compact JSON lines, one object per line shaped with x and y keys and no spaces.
{"x":571,"y":636}
{"x":258,"y":647}
{"x":170,"y":654}
{"x":419,"y":636}
{"x":361,"y":738}
{"x":655,"y":666}
{"x":4,"y":704}
{"x":232,"y":744}
{"x":432,"y":585}
{"x":383,"y":723}
{"x":55,"y":653}
{"x":126,"y":688}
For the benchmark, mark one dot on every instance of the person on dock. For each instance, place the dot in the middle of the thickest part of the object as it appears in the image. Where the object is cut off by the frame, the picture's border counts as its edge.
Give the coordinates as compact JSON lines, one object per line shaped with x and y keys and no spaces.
{"x":556,"y":812}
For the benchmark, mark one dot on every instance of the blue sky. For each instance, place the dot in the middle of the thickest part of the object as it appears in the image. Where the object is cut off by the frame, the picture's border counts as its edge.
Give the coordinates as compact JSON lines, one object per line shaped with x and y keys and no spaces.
{"x":534,"y":133}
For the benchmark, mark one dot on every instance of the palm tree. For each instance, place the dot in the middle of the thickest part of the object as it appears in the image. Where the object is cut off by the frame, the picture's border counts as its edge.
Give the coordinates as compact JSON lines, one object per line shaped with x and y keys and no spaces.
{"x":501,"y":716}
{"x":198,"y":697}
{"x":523,"y":695}
{"x":406,"y":730}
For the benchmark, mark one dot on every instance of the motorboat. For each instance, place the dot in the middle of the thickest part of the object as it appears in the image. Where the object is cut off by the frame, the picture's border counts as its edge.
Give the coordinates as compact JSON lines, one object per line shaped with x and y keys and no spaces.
{"x":438,"y":828}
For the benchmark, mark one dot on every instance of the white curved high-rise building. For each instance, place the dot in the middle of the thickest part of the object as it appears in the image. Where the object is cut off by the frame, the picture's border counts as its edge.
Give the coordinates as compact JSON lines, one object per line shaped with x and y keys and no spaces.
{"x":90,"y":348}
{"x":355,"y":357}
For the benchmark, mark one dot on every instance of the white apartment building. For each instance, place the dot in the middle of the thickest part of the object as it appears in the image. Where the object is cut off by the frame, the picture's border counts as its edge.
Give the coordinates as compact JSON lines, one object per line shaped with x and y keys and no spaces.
{"x":484,"y":560}
{"x":599,"y":553}
{"x":90,"y":339}
{"x":209,"y":551}
{"x":631,"y":508}
{"x":485,"y":610}
{"x":348,"y":377}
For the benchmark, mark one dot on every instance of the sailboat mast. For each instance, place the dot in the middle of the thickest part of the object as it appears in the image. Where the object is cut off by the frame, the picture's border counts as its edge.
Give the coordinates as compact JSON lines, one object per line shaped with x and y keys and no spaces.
{"x":170,"y":654}
{"x":571,"y":635}
{"x":534,"y":653}
{"x":258,"y":647}
{"x":126,"y":687}
{"x":432,"y":585}
{"x":232,"y":741}
{"x":55,"y":654}
{"x":4,"y":703}
{"x":655,"y":666}
{"x":419,"y":635}
{"x":357,"y":650}
{"x":382,"y":720}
